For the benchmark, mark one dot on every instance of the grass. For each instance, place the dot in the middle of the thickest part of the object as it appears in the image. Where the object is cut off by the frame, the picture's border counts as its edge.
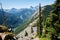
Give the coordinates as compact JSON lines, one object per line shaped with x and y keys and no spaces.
{"x":45,"y":39}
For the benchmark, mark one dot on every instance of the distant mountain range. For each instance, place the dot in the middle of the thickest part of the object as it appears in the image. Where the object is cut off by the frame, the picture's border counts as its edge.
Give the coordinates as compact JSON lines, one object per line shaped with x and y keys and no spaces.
{"x":15,"y":17}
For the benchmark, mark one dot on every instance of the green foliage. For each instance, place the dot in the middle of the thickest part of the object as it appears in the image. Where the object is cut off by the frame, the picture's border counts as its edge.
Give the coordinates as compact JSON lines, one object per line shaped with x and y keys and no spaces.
{"x":43,"y":35}
{"x":51,"y":24}
{"x":59,"y":35}
{"x":48,"y":21}
{"x":45,"y":39}
{"x":50,"y":30}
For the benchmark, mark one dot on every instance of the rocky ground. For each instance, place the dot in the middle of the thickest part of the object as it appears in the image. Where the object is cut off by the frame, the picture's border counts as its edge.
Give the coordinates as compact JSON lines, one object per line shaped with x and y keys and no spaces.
{"x":31,"y":36}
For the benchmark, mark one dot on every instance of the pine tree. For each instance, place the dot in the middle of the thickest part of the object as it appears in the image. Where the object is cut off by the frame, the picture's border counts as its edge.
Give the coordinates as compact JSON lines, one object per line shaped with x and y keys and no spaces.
{"x":39,"y":22}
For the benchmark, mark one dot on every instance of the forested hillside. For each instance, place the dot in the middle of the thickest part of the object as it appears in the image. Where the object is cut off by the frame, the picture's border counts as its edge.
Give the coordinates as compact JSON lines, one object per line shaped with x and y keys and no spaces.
{"x":50,"y":25}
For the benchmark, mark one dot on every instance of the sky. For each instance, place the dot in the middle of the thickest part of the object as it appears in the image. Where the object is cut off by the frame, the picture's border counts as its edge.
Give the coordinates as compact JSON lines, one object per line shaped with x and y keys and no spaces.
{"x":8,"y":4}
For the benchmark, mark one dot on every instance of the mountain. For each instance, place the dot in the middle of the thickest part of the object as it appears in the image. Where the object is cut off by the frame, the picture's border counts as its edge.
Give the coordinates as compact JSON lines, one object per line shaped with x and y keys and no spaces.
{"x":45,"y":12}
{"x":20,"y":18}
{"x":15,"y":17}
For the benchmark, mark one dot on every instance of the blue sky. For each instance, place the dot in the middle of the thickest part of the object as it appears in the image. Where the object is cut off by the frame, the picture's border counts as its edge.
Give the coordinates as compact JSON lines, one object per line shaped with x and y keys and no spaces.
{"x":8,"y":4}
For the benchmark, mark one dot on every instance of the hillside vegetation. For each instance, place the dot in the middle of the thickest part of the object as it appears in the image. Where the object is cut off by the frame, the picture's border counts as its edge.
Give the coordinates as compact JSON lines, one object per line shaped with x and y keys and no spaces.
{"x":50,"y":26}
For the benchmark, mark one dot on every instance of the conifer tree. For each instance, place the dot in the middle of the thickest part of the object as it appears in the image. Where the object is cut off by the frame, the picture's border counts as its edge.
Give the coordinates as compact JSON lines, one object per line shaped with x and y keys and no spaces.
{"x":39,"y":22}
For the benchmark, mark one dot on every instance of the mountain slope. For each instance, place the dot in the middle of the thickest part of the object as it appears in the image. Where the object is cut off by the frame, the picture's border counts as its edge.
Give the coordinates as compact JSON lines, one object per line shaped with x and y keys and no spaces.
{"x":15,"y":17}
{"x":33,"y":18}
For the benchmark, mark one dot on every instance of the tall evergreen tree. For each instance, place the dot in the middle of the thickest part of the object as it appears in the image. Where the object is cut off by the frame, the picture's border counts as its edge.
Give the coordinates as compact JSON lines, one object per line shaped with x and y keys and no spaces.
{"x":39,"y":25}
